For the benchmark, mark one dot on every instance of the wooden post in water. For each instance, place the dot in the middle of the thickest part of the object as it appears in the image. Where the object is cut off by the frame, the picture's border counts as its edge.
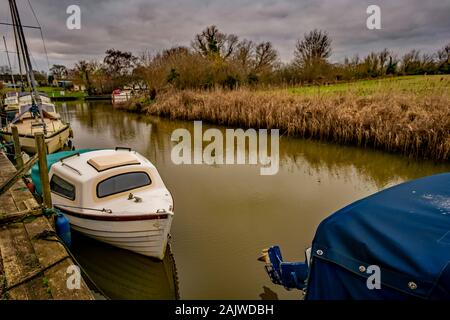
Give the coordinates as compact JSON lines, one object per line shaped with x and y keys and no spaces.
{"x":17,"y":149}
{"x":43,"y":169}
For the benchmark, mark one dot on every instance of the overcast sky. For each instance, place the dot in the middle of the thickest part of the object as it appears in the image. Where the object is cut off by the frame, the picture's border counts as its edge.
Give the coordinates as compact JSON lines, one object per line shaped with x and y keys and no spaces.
{"x":138,"y":25}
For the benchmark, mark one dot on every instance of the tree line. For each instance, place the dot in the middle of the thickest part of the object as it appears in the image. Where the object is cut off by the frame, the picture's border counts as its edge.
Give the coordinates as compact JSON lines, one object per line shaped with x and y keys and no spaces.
{"x":217,"y":59}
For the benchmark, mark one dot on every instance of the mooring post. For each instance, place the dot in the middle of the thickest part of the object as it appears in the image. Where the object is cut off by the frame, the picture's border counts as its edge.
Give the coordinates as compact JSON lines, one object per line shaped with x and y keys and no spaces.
{"x":17,"y":149}
{"x":43,"y":169}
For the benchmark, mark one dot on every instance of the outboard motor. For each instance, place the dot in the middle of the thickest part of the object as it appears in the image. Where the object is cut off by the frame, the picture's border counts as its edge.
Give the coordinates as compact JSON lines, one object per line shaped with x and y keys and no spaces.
{"x":291,"y":275}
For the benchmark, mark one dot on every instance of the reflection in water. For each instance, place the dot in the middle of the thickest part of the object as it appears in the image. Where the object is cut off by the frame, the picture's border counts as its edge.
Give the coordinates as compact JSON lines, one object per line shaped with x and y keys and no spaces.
{"x":122,"y":274}
{"x":268,"y":294}
{"x":379,"y":168}
{"x":224,"y":215}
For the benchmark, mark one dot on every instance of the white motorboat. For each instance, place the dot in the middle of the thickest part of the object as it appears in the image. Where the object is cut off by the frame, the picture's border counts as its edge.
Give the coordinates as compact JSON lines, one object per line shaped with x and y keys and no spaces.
{"x":121,"y":96}
{"x":115,"y":196}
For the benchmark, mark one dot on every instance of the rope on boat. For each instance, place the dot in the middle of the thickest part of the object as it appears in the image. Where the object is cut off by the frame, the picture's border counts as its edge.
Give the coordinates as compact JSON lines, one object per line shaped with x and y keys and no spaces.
{"x":83,"y":208}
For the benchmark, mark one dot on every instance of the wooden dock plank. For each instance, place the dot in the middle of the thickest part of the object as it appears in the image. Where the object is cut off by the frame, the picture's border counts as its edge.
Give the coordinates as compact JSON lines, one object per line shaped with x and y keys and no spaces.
{"x":32,"y":264}
{"x":7,"y":204}
{"x":19,"y":196}
{"x":49,"y":250}
{"x":19,"y":259}
{"x":58,"y":276}
{"x":34,"y":289}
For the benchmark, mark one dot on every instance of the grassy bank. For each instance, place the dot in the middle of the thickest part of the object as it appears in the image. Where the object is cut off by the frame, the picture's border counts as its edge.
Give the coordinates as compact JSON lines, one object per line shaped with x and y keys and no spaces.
{"x":55,"y":92}
{"x":407,"y":84}
{"x":392,"y":116}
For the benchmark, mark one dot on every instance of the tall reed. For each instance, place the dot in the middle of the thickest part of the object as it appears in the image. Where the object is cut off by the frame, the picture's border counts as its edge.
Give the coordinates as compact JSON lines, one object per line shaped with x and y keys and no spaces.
{"x":417,"y":125}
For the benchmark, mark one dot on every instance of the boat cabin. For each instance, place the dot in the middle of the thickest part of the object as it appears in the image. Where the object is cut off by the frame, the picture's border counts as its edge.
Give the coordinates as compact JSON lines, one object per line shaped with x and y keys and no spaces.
{"x":89,"y":178}
{"x":16,"y":98}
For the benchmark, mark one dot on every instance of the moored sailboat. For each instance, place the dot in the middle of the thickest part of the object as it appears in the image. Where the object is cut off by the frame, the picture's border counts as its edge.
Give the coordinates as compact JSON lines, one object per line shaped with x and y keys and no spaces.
{"x":35,"y":112}
{"x":28,"y":123}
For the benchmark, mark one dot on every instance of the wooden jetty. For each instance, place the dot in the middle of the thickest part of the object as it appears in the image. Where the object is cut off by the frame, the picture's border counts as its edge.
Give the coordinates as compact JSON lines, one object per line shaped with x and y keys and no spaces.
{"x":33,"y":263}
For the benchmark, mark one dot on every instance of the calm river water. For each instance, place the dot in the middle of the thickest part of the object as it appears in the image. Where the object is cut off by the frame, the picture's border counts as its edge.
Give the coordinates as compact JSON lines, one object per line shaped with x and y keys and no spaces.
{"x":225,"y":215}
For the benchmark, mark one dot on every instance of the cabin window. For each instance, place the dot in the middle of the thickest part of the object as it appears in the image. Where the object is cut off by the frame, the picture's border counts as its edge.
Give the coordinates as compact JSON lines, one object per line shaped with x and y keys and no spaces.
{"x":122,"y":182}
{"x":48,"y":108}
{"x":22,"y":108}
{"x":62,"y":188}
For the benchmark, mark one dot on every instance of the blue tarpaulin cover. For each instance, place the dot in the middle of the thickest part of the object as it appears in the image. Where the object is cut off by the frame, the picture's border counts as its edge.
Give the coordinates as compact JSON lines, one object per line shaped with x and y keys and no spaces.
{"x":404,"y":230}
{"x":52,"y":159}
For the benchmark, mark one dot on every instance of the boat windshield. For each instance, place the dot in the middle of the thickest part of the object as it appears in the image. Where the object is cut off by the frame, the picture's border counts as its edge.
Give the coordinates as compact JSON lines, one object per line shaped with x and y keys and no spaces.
{"x":45,"y":107}
{"x":122,"y":182}
{"x":61,"y":187}
{"x":48,"y":108}
{"x":22,"y":108}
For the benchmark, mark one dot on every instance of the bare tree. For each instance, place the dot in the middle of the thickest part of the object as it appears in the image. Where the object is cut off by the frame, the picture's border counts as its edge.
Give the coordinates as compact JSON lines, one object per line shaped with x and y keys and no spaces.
{"x":383,"y":59}
{"x":411,"y":62}
{"x":175,"y":51}
{"x":315,"y":47}
{"x":244,"y":54}
{"x":212,"y":42}
{"x":119,"y":63}
{"x":82,"y":73}
{"x":144,"y":59}
{"x":265,"y":56}
{"x":444,"y":54}
{"x":58,"y":71}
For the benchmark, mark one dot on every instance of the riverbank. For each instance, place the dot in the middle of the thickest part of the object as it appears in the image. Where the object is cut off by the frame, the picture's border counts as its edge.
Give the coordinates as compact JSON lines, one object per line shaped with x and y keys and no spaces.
{"x":411,"y":120}
{"x":59,"y":94}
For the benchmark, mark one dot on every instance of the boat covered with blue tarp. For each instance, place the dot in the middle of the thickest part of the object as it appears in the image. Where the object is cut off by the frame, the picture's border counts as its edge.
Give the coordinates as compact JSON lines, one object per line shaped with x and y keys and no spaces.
{"x":392,"y":245}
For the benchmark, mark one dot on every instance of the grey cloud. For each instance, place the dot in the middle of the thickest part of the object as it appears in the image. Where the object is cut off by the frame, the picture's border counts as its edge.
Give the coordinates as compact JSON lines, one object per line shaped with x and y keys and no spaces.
{"x":139,"y":25}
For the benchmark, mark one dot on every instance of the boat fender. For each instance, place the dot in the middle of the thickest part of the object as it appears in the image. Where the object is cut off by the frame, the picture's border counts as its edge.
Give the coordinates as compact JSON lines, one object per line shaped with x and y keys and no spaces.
{"x":63,"y":228}
{"x":30,"y":185}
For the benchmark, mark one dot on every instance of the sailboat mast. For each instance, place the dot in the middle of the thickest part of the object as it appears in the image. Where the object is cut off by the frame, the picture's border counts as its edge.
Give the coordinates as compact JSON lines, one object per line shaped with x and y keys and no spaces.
{"x":24,"y":46}
{"x":19,"y":58}
{"x":36,"y":100}
{"x":9,"y":63}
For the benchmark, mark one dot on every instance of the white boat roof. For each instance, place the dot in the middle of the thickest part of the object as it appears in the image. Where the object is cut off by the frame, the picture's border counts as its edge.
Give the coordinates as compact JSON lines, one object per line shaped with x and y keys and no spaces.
{"x":91,"y":164}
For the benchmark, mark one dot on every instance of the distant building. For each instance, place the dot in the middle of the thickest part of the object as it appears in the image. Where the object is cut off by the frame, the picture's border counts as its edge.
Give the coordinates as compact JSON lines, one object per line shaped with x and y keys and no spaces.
{"x":66,"y":84}
{"x":9,"y":84}
{"x":79,"y":87}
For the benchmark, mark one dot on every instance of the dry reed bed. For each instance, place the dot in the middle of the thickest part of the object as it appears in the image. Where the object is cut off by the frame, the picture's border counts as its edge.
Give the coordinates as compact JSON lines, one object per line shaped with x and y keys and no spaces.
{"x":417,"y":125}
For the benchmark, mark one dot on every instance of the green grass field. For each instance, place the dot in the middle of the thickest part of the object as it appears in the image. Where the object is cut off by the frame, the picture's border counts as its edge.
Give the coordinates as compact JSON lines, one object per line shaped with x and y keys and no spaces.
{"x":405,"y":84}
{"x":55,"y":92}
